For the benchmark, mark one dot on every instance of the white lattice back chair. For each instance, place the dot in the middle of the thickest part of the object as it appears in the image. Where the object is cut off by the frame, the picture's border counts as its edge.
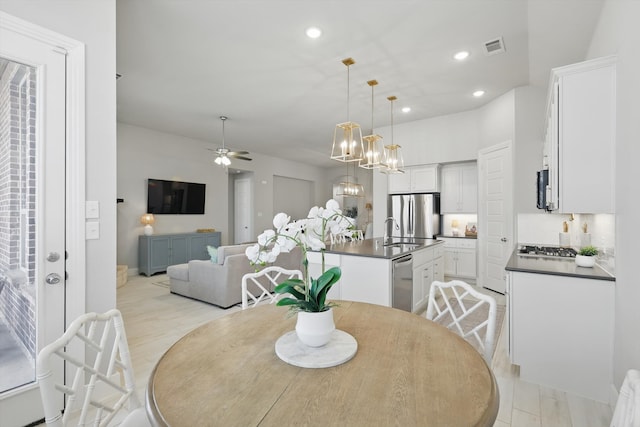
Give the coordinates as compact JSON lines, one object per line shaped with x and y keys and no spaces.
{"x":270,"y":276}
{"x":99,"y":393}
{"x":627,"y":411}
{"x":467,"y":305}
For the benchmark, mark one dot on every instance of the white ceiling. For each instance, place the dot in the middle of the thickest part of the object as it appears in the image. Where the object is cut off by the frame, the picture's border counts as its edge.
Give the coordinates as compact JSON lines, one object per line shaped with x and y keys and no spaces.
{"x":185,"y":63}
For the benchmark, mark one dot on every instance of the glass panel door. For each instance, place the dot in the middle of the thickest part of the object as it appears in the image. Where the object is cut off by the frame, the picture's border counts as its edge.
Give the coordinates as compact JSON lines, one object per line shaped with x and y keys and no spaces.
{"x":18,"y":84}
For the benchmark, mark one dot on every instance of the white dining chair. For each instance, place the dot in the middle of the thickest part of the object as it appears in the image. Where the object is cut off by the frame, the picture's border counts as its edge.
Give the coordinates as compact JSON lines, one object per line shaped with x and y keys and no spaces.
{"x":627,"y":410}
{"x":464,"y":310}
{"x":269,"y":277}
{"x":102,"y":386}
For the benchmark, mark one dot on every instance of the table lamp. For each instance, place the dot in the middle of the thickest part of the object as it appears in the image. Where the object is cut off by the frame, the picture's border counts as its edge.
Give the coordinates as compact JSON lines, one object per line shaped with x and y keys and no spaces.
{"x":147,"y":220}
{"x":454,"y":227}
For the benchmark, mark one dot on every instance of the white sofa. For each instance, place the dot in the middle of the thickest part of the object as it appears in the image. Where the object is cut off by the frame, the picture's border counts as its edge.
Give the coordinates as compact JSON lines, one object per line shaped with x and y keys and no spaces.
{"x":220,"y":283}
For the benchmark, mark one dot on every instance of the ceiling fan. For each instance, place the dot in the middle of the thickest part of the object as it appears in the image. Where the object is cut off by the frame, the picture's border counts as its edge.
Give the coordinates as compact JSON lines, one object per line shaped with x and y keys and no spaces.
{"x":223,"y":154}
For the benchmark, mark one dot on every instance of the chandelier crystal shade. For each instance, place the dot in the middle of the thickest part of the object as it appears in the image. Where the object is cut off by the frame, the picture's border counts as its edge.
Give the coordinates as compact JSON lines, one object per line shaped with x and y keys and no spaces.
{"x":392,"y":161}
{"x":372,"y":156}
{"x":347,"y":136}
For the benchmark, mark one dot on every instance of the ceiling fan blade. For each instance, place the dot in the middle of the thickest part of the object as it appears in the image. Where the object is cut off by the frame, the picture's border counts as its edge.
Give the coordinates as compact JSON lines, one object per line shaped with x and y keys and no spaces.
{"x":241,"y":158}
{"x":235,"y":153}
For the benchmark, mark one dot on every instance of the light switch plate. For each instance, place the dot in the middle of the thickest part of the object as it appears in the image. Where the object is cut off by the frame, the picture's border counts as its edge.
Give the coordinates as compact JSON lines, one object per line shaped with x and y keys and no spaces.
{"x":92,"y":209}
{"x":92,"y":230}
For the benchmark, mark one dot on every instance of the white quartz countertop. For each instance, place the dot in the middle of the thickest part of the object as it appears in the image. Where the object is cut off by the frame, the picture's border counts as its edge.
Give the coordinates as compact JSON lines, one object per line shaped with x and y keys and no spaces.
{"x":374,"y":247}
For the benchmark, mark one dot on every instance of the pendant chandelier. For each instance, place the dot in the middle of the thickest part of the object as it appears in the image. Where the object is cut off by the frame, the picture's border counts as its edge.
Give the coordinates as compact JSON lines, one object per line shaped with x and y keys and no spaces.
{"x":347,"y":136}
{"x":392,"y":162}
{"x":349,"y":188}
{"x":372,"y":155}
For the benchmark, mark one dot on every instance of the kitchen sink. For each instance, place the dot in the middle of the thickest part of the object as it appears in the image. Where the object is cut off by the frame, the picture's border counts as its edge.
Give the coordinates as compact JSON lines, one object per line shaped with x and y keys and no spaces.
{"x":401,"y":245}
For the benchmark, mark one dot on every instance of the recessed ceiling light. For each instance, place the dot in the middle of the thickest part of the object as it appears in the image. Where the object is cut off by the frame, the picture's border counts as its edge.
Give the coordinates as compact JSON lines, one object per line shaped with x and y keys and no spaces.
{"x":406,"y":109}
{"x":461,"y":55}
{"x":313,"y":32}
{"x":478,"y":93}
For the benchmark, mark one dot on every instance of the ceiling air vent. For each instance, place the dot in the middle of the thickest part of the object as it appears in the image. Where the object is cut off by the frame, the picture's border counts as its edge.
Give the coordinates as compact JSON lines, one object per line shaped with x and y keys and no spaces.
{"x":493,"y":47}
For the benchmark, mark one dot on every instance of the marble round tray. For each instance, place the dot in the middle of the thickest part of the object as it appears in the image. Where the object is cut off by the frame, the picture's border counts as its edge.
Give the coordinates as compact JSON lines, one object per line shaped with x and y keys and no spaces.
{"x":340,"y":349}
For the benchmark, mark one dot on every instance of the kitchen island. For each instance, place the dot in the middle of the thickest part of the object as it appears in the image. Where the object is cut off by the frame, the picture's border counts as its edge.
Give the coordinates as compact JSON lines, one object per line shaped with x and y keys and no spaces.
{"x":368,"y":270}
{"x":561,"y":320}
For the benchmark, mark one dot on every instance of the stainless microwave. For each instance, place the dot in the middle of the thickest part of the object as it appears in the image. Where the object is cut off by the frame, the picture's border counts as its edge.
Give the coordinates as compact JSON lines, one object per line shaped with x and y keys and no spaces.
{"x":542,"y":184}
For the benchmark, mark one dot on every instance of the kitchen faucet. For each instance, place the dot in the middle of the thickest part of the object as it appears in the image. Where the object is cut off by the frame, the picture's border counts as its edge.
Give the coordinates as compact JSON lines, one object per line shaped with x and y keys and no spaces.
{"x":386,"y":236}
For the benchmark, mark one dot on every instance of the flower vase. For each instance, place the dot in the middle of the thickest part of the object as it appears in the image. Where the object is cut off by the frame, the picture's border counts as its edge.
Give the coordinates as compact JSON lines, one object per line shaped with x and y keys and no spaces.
{"x":585,"y":261}
{"x":315,"y":329}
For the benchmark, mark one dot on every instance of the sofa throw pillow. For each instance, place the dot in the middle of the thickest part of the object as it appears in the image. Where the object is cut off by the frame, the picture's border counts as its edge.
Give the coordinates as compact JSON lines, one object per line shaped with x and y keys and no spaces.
{"x":213,"y":253}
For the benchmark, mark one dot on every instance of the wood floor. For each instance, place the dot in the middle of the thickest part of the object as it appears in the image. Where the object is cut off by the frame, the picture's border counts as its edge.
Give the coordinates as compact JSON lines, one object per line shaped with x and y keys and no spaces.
{"x":155,"y":319}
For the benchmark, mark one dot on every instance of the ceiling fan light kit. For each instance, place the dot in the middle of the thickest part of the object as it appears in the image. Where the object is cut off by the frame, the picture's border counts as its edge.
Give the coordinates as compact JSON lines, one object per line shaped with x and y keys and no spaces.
{"x":224,"y":155}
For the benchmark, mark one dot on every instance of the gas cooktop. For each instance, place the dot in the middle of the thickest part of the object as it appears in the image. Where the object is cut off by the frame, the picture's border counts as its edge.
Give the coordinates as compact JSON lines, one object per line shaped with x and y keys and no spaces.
{"x":546,"y":251}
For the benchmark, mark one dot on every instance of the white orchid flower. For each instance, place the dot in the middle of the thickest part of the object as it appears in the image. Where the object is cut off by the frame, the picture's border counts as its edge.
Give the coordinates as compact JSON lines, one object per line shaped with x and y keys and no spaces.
{"x":313,"y":213}
{"x":315,"y":243}
{"x":253,"y":252}
{"x":280,"y":220}
{"x":265,"y":237}
{"x":333,"y":205}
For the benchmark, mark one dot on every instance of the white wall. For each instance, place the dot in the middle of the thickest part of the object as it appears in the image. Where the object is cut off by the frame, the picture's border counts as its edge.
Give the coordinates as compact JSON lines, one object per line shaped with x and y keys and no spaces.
{"x":514,"y":116}
{"x":618,"y":33}
{"x":496,"y":122}
{"x":530,"y":104}
{"x":94,"y":24}
{"x":145,"y":153}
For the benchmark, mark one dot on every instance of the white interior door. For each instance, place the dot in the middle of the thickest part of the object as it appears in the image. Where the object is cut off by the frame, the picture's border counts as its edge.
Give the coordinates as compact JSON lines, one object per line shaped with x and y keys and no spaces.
{"x":243,"y":231}
{"x":495,"y":215}
{"x":32,"y":236}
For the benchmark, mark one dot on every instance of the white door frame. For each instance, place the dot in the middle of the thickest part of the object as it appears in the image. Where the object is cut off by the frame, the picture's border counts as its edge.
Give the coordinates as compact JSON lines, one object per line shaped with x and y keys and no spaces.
{"x":75,"y":177}
{"x":482,"y":231}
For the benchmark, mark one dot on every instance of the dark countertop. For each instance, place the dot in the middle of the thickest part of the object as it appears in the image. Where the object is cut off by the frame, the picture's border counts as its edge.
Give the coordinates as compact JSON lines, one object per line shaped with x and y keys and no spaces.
{"x":368,"y":248}
{"x":556,"y":267}
{"x":458,"y":237}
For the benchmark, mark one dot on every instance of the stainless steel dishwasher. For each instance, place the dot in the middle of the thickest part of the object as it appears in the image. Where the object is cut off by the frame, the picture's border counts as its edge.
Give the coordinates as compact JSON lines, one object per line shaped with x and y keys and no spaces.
{"x":402,"y":292}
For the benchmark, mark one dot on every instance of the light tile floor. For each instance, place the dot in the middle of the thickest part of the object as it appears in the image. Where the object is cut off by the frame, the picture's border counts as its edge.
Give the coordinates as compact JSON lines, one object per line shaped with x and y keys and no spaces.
{"x":155,"y":319}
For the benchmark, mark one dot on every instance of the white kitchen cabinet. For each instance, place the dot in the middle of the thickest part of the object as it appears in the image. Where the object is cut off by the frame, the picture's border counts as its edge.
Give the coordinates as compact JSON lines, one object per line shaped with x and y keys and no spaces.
{"x":416,"y":179}
{"x":423,"y":275}
{"x":459,"y":188}
{"x":579,"y":143}
{"x":560,"y":331}
{"x":460,"y":258}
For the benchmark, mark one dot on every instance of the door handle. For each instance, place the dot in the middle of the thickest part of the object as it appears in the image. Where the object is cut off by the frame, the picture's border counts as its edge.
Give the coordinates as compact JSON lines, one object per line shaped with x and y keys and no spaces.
{"x":53,"y":279}
{"x":504,"y":239}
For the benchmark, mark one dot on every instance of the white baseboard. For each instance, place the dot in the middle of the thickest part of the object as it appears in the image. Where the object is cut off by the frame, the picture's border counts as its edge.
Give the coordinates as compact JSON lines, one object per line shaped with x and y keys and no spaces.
{"x":132,"y":272}
{"x":613,"y":395}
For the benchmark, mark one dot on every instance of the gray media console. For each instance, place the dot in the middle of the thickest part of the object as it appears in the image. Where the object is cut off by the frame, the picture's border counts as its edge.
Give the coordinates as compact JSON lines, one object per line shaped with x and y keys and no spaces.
{"x":157,"y":252}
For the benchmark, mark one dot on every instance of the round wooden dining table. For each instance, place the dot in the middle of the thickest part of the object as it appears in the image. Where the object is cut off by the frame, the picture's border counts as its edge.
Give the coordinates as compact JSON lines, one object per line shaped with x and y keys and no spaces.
{"x":407,"y":371}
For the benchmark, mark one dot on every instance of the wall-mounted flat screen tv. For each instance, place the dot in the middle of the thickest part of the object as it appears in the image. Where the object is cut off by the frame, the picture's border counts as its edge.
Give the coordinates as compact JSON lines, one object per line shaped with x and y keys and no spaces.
{"x":175,"y":197}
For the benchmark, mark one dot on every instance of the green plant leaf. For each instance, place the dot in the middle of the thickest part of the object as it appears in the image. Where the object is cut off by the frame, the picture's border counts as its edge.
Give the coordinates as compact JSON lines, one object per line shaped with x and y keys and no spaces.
{"x":289,"y":286}
{"x":324,"y":284}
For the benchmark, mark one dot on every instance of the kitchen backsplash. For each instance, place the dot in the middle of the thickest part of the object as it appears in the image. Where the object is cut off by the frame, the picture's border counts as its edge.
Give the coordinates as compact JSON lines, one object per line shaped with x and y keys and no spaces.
{"x":463,"y":221}
{"x":545,"y":228}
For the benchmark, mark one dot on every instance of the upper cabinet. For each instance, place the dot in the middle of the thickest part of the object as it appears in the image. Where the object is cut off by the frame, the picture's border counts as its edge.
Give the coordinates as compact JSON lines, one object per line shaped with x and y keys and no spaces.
{"x":580,"y":137}
{"x":416,"y":179}
{"x":459,"y":188}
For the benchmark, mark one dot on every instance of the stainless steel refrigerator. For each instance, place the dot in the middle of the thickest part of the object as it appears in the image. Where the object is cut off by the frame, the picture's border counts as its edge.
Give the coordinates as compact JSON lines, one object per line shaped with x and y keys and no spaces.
{"x":417,"y":215}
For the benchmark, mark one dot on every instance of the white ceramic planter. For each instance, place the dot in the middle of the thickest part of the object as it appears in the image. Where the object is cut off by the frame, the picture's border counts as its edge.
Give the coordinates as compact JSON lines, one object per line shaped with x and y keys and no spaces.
{"x":315,"y":329}
{"x":585,"y":261}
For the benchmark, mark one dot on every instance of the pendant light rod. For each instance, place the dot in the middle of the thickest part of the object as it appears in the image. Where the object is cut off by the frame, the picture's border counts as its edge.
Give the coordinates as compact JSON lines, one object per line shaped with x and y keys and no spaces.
{"x":348,"y":62}
{"x":372,"y":83}
{"x":391,"y":99}
{"x":223,"y":118}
